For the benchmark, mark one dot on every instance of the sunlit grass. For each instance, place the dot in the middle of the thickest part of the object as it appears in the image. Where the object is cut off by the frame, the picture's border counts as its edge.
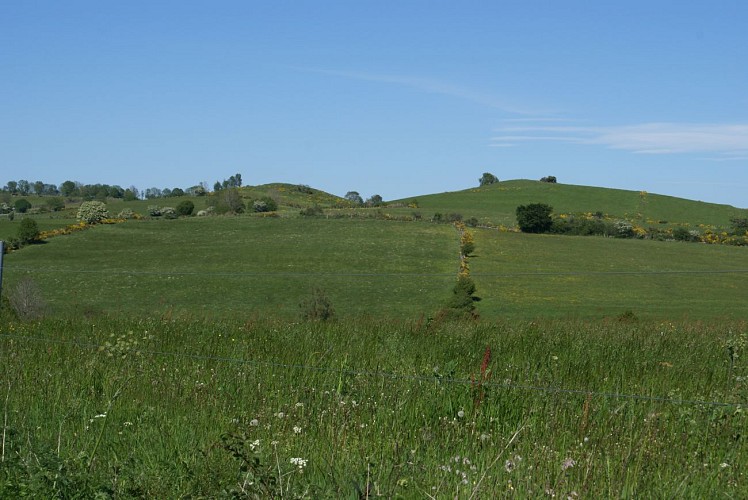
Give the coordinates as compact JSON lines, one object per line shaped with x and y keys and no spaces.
{"x":196,"y":408}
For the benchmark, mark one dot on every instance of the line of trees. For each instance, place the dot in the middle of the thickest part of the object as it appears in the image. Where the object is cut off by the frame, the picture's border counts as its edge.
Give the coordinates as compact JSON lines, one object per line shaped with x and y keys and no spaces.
{"x":87,"y":192}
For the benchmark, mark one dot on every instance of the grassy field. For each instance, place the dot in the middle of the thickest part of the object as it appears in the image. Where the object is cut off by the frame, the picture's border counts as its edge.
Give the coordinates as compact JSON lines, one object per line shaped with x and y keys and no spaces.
{"x":496,"y":204}
{"x":168,"y":409}
{"x":267,"y":266}
{"x":173,"y":361}
{"x":524,"y":275}
{"x":244,"y":266}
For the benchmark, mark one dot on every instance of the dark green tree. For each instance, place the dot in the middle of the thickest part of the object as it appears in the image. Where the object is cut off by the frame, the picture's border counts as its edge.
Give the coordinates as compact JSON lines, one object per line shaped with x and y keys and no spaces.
{"x":185,"y":208}
{"x":22,"y":205}
{"x":68,"y":189}
{"x":534,"y":218}
{"x":354,"y":198}
{"x":488,"y":179}
{"x":28,"y":231}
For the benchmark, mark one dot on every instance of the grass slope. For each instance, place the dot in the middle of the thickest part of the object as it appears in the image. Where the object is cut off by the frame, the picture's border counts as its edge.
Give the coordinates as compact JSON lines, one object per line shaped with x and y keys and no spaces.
{"x":524,"y":275}
{"x":496,"y":204}
{"x":245,"y":265}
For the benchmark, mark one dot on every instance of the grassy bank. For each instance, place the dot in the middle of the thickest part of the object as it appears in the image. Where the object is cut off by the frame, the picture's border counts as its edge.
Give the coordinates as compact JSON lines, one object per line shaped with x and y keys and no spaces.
{"x":163,"y":408}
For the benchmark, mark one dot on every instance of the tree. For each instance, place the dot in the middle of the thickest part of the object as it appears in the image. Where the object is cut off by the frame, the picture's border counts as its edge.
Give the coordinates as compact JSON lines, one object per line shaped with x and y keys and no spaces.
{"x":22,"y":206}
{"x":28,"y":231}
{"x":12,"y":187}
{"x":130,"y":195}
{"x":177,"y":192}
{"x":185,"y":208}
{"x":488,"y":179}
{"x":39,"y":188}
{"x":68,"y":189}
{"x":534,"y":218}
{"x":354,"y":197}
{"x":739,"y":225}
{"x":374,"y":201}
{"x":227,"y":201}
{"x":551,"y":179}
{"x":24,"y":188}
{"x":92,"y":212}
{"x":55,"y":204}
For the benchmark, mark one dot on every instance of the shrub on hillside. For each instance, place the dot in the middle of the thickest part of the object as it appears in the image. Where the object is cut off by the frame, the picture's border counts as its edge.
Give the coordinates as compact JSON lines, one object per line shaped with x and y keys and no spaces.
{"x":317,"y":307}
{"x":169,"y":213}
{"x":550,"y":179}
{"x":26,"y":300}
{"x":314,"y":210}
{"x":22,"y":206}
{"x":92,"y":212}
{"x":126,"y":213}
{"x":534,"y":218}
{"x":264,"y":204}
{"x":185,"y":208}
{"x":154,"y":210}
{"x":28,"y":231}
{"x":55,"y":204}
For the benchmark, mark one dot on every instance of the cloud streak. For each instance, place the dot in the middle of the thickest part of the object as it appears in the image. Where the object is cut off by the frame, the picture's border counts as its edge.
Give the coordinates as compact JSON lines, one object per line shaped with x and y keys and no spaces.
{"x":433,"y":86}
{"x":729,"y":141}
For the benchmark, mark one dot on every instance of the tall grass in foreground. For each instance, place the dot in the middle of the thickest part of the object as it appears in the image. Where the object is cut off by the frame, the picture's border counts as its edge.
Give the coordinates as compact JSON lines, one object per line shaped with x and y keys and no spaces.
{"x":155,"y":408}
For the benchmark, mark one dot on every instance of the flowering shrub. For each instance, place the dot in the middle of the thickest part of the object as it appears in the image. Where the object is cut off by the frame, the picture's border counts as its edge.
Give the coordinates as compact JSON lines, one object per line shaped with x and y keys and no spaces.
{"x":92,"y":212}
{"x":126,"y":213}
{"x":169,"y":213}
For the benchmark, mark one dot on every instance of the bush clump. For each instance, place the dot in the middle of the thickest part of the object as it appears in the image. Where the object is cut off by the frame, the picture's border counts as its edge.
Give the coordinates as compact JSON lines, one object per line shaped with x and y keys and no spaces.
{"x":28,"y":231}
{"x":314,"y":210}
{"x":22,"y":206}
{"x":317,"y":307}
{"x":185,"y":208}
{"x":92,"y":212}
{"x":534,"y":218}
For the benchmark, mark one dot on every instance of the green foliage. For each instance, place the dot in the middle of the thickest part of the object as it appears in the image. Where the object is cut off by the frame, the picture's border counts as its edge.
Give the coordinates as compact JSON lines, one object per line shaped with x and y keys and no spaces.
{"x":92,"y":212}
{"x":22,"y":205}
{"x":28,"y":231}
{"x":551,"y":179}
{"x":55,"y":203}
{"x":227,"y":201}
{"x":169,"y":213}
{"x":185,"y":208}
{"x":739,"y":225}
{"x":487,"y":179}
{"x":317,"y":307}
{"x":354,"y":197}
{"x":314,"y":210}
{"x":207,"y":426}
{"x":534,"y":218}
{"x":126,"y":213}
{"x":374,"y":201}
{"x":265,"y":204}
{"x":467,"y":248}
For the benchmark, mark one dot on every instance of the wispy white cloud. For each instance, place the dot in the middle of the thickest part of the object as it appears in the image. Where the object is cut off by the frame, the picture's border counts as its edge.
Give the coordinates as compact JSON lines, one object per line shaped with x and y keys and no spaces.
{"x":729,"y":141}
{"x":435,"y":87}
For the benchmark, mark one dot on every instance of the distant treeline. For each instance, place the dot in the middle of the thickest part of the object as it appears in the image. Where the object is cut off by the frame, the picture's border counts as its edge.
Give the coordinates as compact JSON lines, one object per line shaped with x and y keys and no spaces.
{"x":73,"y":189}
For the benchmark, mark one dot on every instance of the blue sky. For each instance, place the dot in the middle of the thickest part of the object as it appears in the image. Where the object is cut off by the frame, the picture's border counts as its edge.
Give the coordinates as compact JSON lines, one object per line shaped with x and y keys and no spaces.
{"x":398,"y":98}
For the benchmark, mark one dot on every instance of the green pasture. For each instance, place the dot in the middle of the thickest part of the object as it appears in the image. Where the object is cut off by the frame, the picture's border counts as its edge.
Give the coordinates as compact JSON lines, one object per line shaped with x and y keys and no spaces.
{"x":526,"y":275}
{"x":496,"y":204}
{"x":244,"y":266}
{"x":144,"y":408}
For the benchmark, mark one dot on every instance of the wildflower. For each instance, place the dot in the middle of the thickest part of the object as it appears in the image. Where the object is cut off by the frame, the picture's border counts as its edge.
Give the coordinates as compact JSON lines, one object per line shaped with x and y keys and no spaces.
{"x":299,"y":462}
{"x":254,"y":422}
{"x":296,"y":429}
{"x":568,"y":463}
{"x":724,"y":465}
{"x":461,"y":414}
{"x":509,"y":466}
{"x":254,"y":444}
{"x":280,"y":414}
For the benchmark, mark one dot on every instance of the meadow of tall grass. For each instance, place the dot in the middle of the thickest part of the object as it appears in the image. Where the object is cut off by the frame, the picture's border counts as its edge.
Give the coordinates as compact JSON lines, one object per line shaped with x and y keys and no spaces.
{"x":161,"y":408}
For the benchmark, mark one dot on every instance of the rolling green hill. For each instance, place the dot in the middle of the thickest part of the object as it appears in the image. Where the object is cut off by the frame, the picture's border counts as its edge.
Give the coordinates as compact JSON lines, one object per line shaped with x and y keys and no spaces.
{"x":496,"y":204}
